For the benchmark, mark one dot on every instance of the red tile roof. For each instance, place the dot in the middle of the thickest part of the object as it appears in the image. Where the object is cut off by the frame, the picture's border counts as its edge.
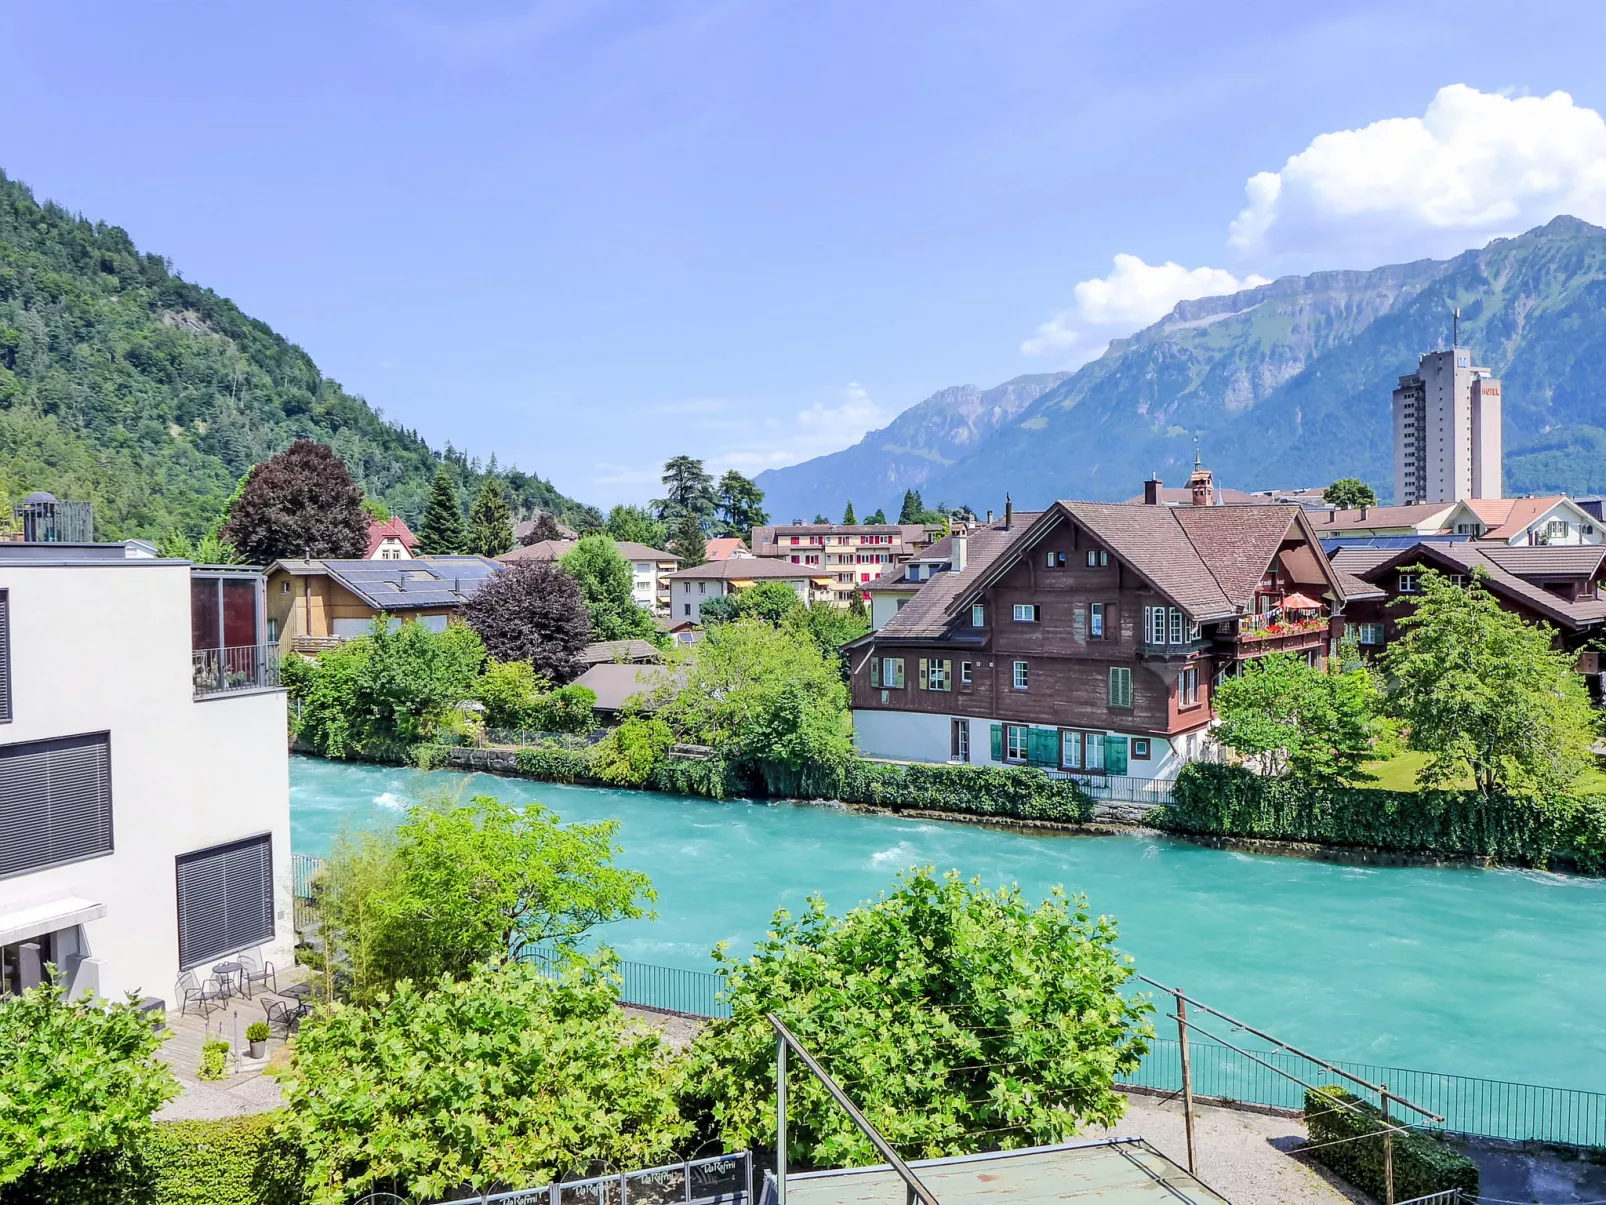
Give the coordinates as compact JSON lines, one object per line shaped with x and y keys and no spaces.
{"x":391,"y":529}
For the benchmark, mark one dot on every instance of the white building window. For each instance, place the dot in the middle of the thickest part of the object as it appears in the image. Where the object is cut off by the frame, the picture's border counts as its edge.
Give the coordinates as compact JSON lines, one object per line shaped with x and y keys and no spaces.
{"x":959,"y":740}
{"x":978,"y":616}
{"x":1022,"y":677}
{"x":892,"y":673}
{"x":1410,"y":583}
{"x":1095,"y":621}
{"x":1369,"y":633}
{"x":1015,"y":742}
{"x":1026,"y":613}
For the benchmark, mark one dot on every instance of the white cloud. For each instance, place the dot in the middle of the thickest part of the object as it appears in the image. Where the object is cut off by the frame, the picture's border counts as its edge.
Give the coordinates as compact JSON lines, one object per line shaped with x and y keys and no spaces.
{"x":1131,"y":297}
{"x":1475,"y":165}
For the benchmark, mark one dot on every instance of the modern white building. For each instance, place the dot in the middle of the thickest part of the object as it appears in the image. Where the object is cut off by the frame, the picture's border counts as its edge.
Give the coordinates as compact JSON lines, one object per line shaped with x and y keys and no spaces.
{"x":1446,"y":431}
{"x":144,"y":781}
{"x":691,"y":588}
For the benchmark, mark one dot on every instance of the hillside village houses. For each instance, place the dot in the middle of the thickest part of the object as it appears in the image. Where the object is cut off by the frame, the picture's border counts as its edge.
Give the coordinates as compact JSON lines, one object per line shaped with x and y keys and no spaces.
{"x":650,"y":568}
{"x":144,"y":787}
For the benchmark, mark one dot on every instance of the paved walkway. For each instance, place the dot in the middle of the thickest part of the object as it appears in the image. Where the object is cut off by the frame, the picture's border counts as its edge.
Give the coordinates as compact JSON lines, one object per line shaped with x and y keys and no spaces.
{"x":245,"y":1089}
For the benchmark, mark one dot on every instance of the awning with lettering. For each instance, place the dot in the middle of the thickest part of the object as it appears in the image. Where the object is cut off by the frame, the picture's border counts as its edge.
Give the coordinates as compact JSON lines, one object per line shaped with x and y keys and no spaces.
{"x":23,"y":922}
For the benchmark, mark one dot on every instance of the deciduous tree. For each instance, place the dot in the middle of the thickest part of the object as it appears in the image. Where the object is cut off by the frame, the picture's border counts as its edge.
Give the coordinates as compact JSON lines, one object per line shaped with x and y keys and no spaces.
{"x":490,"y":523}
{"x":607,"y":583}
{"x":1485,"y":694}
{"x":505,"y":1077}
{"x":633,"y":523}
{"x":533,"y":611}
{"x":542,"y":527}
{"x":441,"y":531}
{"x":1349,"y":493}
{"x":1290,"y":718}
{"x":301,"y":502}
{"x":964,"y":1019}
{"x":876,"y":517}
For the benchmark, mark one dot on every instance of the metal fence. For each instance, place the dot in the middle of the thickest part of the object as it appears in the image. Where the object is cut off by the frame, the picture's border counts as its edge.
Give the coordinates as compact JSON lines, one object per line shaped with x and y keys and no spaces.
{"x":304,"y":872}
{"x":1484,"y":1108}
{"x":529,"y":738}
{"x":717,"y":1180}
{"x":244,"y":667}
{"x":666,"y":989}
{"x":1120,"y":788}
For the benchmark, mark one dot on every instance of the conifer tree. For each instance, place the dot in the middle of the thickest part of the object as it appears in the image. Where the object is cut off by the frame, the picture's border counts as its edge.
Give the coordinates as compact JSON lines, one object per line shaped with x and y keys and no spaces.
{"x":689,"y":543}
{"x":490,"y":523}
{"x":442,"y":529}
{"x":913,"y":507}
{"x":848,"y":519}
{"x":877,"y":518}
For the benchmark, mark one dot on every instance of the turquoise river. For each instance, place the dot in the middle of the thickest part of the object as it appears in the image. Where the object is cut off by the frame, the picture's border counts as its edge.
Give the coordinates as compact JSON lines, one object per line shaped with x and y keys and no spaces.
{"x":1496,"y":973}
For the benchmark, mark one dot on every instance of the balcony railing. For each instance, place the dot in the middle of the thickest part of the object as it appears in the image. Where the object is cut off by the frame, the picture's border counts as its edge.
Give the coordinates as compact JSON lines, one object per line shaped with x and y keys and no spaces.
{"x":245,"y":667}
{"x":1272,"y":626}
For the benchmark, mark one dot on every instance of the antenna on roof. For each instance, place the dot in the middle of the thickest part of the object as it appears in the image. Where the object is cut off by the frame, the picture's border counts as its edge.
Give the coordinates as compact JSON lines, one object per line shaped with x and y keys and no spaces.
{"x":1455,"y":328}
{"x":1197,"y":462}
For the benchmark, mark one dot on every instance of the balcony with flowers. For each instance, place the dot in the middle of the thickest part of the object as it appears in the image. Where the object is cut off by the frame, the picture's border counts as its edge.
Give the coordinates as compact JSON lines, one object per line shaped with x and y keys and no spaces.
{"x":1297,"y":622}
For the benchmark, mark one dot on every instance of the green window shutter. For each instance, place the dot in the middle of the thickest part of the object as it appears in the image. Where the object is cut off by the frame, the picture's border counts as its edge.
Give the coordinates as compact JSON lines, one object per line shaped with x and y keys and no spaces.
{"x":1041,"y":746}
{"x":1115,"y":754}
{"x":920,"y":681}
{"x":998,"y":742}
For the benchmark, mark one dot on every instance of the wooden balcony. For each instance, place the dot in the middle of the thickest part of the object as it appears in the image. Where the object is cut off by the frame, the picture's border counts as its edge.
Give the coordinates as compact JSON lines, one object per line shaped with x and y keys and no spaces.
{"x":1256,"y":637}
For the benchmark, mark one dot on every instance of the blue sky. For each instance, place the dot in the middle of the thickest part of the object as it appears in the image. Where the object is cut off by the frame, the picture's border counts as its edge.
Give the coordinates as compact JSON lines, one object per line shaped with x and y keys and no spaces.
{"x":590,"y":235}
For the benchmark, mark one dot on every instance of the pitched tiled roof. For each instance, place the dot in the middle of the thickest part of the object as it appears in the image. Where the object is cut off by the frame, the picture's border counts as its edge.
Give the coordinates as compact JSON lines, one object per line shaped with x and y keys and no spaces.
{"x":607,"y":651}
{"x":721,"y":547}
{"x":1464,"y":557}
{"x":391,"y":529}
{"x":1237,"y":543}
{"x":1153,"y":540}
{"x":1359,"y":560}
{"x":748,"y":567}
{"x":553,"y":550}
{"x":613,"y":684}
{"x":1554,"y":560}
{"x":1379,"y":516}
{"x":925,"y":616}
{"x":1506,"y":518}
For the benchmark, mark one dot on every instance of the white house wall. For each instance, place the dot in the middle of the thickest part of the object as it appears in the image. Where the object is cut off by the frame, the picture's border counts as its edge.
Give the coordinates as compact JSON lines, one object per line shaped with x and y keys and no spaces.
{"x":107,"y":648}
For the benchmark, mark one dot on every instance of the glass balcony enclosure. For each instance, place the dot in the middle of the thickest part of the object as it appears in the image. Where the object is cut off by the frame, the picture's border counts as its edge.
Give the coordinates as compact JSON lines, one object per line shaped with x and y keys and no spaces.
{"x":227,"y":640}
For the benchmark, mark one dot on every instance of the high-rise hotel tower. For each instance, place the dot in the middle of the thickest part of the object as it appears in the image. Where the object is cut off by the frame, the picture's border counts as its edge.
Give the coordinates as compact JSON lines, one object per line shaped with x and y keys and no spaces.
{"x":1446,"y":431}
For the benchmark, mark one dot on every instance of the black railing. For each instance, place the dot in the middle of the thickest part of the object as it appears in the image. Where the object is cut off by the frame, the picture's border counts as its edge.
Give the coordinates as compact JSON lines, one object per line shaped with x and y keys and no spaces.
{"x":244,"y":667}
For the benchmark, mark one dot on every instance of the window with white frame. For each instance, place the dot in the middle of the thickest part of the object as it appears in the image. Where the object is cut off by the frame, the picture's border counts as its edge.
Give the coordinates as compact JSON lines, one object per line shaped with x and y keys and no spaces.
{"x":1410,"y":583}
{"x":1070,"y":750}
{"x":1154,"y":625}
{"x":1097,"y":558}
{"x":1015,"y":742}
{"x":892,"y":673}
{"x":959,"y":740}
{"x":1026,"y":613}
{"x":1369,"y":633}
{"x":978,"y":616}
{"x":1093,"y":751}
{"x":1176,"y":626}
{"x":1188,"y":687}
{"x":1095,"y":621}
{"x":1022,"y":677}
{"x":964,"y":673}
{"x":939,"y":674}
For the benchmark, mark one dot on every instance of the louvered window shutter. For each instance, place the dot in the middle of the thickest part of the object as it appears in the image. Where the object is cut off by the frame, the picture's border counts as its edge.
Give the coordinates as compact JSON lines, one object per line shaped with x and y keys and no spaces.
{"x":998,"y":742}
{"x":5,"y":656}
{"x":55,"y":802}
{"x":225,"y":900}
{"x":920,"y":681}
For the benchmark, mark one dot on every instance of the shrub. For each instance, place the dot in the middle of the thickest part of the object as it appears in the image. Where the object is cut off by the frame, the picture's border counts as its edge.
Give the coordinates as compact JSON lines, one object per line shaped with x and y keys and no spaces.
{"x":627,"y":756}
{"x":214,"y":1060}
{"x":510,"y":692}
{"x":1422,"y":1164}
{"x":1012,"y":792}
{"x":552,"y":764}
{"x":567,"y":709}
{"x":1230,"y":801}
{"x":257,"y":1031}
{"x":78,"y":1081}
{"x":957,"y":1014}
{"x":506,"y":1078}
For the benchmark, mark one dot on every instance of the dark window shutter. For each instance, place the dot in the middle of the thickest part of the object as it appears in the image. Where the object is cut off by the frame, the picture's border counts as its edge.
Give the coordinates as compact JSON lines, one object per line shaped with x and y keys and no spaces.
{"x":55,"y":802}
{"x":225,"y":900}
{"x":5,"y":656}
{"x":998,"y":742}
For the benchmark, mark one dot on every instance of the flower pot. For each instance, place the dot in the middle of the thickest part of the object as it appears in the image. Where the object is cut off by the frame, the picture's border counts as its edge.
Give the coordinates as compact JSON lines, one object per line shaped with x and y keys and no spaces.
{"x":257,"y":1049}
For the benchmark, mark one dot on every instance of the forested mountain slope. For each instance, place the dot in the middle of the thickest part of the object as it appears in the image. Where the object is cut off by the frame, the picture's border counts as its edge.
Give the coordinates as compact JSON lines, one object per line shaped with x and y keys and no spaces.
{"x":122,"y":383}
{"x":905,"y":454}
{"x":1289,"y":384}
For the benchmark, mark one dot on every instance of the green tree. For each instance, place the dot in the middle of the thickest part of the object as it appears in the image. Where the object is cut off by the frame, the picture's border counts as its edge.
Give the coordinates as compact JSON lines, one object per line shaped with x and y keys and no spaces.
{"x":688,"y":542}
{"x":386,"y":687}
{"x":741,"y":505}
{"x":303,"y":501}
{"x":441,"y":530}
{"x":913,"y":508}
{"x":766,"y":699}
{"x":79,"y":1081}
{"x":567,"y":709}
{"x":634,"y":524}
{"x":830,"y":627}
{"x":627,"y":756}
{"x":688,"y":490}
{"x":821,"y":518}
{"x":503,"y":1077}
{"x":511,"y":693}
{"x":460,"y":883}
{"x":490,"y":523}
{"x":876,"y":517}
{"x":1486,"y":694}
{"x":1349,"y":493}
{"x":964,"y":1019}
{"x":848,"y":519}
{"x":376,"y":509}
{"x":607,"y":583}
{"x":769,"y":601}
{"x":1317,"y":725}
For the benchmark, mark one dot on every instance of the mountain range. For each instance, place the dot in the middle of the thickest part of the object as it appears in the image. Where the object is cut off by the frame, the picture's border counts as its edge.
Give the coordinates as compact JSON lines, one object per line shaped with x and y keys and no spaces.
{"x":1280,"y":386}
{"x":123,"y":384}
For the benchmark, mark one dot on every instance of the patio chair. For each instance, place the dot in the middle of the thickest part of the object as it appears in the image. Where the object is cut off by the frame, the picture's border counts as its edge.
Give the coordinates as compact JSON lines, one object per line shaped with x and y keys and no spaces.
{"x":283,"y":1013}
{"x":199,"y":992}
{"x":255,"y":970}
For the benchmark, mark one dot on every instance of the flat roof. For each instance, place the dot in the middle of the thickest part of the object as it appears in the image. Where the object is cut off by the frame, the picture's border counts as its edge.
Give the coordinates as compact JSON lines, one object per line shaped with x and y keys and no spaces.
{"x":1116,"y":1171}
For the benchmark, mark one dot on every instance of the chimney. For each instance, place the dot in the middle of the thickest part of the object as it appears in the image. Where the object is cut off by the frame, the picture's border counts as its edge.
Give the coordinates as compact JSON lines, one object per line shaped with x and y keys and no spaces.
{"x":1332,"y":514}
{"x":989,"y":518}
{"x":1151,"y":490}
{"x":957,"y":558}
{"x":1364,"y":509}
{"x":1202,"y":484}
{"x":1009,"y":512}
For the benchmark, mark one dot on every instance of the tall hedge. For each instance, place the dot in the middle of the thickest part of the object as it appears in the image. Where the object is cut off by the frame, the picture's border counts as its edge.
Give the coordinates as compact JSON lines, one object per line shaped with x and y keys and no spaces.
{"x":1232,"y":801}
{"x":1422,"y":1164}
{"x":233,"y":1161}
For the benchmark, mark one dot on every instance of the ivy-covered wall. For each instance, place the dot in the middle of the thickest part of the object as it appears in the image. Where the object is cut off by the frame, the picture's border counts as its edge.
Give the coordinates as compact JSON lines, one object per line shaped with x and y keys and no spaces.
{"x":1230,"y":801}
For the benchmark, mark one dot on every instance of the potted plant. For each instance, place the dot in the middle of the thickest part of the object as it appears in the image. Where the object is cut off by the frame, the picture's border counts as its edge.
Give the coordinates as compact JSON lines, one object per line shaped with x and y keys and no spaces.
{"x":256,"y":1033}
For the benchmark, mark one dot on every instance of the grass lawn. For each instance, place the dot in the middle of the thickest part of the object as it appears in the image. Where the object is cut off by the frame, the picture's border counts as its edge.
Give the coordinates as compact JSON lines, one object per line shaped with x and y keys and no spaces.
{"x":1399,"y":774}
